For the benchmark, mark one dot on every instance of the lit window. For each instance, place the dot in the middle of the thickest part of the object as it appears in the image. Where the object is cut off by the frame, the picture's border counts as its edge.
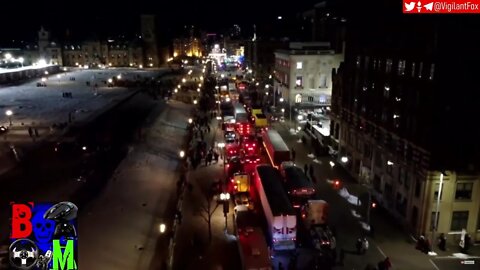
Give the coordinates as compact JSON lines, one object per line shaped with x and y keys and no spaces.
{"x":299,"y":65}
{"x":299,"y":81}
{"x":432,"y":71}
{"x":401,"y":67}
{"x":388,"y":66}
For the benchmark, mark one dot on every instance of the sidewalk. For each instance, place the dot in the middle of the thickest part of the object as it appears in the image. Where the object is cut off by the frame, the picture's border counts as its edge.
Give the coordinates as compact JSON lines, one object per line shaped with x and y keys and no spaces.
{"x":192,"y":250}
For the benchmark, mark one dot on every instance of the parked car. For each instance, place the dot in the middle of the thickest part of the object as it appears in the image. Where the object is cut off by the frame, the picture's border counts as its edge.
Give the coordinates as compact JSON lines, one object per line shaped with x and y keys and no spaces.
{"x":3,"y":129}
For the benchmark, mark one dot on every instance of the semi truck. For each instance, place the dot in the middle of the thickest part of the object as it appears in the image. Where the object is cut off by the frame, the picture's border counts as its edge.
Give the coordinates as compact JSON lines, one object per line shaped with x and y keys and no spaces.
{"x":279,"y":213}
{"x":299,"y":188}
{"x":275,"y":147}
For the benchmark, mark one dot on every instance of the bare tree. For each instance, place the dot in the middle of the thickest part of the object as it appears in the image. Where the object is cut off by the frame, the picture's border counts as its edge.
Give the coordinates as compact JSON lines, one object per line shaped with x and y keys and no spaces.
{"x":207,"y":210}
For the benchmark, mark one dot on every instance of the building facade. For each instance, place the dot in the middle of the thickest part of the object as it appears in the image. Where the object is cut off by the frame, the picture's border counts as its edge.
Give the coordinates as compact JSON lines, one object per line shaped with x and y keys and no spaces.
{"x":401,"y":110}
{"x":303,"y":73}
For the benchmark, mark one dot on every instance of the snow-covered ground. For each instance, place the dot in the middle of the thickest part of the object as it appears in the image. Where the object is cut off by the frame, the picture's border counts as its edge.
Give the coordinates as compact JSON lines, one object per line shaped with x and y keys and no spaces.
{"x":46,"y":105}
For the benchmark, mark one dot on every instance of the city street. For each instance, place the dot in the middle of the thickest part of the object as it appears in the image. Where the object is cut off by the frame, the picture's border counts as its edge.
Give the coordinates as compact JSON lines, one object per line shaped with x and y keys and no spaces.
{"x":388,"y":240}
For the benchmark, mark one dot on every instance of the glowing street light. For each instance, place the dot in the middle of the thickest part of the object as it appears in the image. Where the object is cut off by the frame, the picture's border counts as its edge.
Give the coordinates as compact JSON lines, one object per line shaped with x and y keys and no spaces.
{"x":110,"y":80}
{"x":181,"y":154}
{"x":119,"y":76}
{"x":344,"y":159}
{"x":224,"y":196}
{"x":190,"y":120}
{"x":195,"y":102}
{"x":184,"y":80}
{"x":216,"y":87}
{"x":281,"y":99}
{"x":198,"y":90}
{"x":162,"y":228}
{"x":283,"y":110}
{"x":332,"y":164}
{"x":389,"y":163}
{"x":9,"y":113}
{"x":267,"y":86}
{"x":44,"y":79}
{"x":176,"y":90}
{"x":199,"y":85}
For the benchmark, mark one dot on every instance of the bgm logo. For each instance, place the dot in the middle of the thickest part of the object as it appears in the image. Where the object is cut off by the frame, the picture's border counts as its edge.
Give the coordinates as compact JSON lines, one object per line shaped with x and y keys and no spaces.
{"x":43,"y":236}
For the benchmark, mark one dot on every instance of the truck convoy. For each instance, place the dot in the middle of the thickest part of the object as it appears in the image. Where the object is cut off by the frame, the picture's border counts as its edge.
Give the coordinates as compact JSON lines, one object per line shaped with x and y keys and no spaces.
{"x":297,"y":184}
{"x":275,"y":147}
{"x":279,"y":213}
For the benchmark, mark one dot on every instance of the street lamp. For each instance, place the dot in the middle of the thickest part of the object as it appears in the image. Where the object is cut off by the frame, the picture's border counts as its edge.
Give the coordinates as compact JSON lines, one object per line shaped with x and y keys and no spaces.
{"x":181,"y":154}
{"x":332,"y":164}
{"x":190,"y":120}
{"x":184,"y":80}
{"x":119,"y":76}
{"x":281,"y":99}
{"x":9,"y":113}
{"x":195,"y":102}
{"x":110,"y":80}
{"x":225,"y":198}
{"x":437,"y":212}
{"x":176,"y":90}
{"x":344,"y":159}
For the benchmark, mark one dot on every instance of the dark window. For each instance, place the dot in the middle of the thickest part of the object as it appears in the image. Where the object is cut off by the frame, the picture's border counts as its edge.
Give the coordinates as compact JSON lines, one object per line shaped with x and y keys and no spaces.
{"x":435,"y":193}
{"x":459,"y":220}
{"x":433,"y":224}
{"x":418,"y":187}
{"x":463,"y":191}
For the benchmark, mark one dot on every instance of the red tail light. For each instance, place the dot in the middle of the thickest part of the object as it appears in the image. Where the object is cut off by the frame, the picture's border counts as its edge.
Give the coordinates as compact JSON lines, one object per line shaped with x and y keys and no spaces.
{"x":231,"y":180}
{"x":235,"y":187}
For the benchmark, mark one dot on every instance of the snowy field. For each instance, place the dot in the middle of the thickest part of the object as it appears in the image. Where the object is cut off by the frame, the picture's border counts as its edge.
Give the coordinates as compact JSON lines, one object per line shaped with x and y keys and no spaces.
{"x":45,"y":105}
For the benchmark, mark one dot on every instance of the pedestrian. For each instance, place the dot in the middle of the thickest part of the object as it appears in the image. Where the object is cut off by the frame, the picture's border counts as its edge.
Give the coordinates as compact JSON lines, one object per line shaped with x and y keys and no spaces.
{"x":441,"y":242}
{"x":387,"y":264}
{"x":312,"y":172}
{"x":36,"y":132}
{"x":179,"y":216}
{"x":293,"y":154}
{"x":30,"y":132}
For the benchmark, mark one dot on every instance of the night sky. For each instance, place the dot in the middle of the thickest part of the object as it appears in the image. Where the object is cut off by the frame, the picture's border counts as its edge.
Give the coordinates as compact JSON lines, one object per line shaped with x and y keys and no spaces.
{"x":88,"y":18}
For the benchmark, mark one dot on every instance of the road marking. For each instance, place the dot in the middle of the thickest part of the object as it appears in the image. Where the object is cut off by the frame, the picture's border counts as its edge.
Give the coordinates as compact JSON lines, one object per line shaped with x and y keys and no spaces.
{"x":381,"y":251}
{"x":434,"y":265}
{"x":459,"y":258}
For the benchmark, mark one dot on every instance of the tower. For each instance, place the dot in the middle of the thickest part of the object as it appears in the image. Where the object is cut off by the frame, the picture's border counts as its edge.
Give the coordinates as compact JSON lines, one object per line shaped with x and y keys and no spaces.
{"x":149,"y":41}
{"x":43,"y":41}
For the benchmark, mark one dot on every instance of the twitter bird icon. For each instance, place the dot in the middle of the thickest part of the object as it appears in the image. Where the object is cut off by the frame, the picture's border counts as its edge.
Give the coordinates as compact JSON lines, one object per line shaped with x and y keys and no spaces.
{"x":409,"y":6}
